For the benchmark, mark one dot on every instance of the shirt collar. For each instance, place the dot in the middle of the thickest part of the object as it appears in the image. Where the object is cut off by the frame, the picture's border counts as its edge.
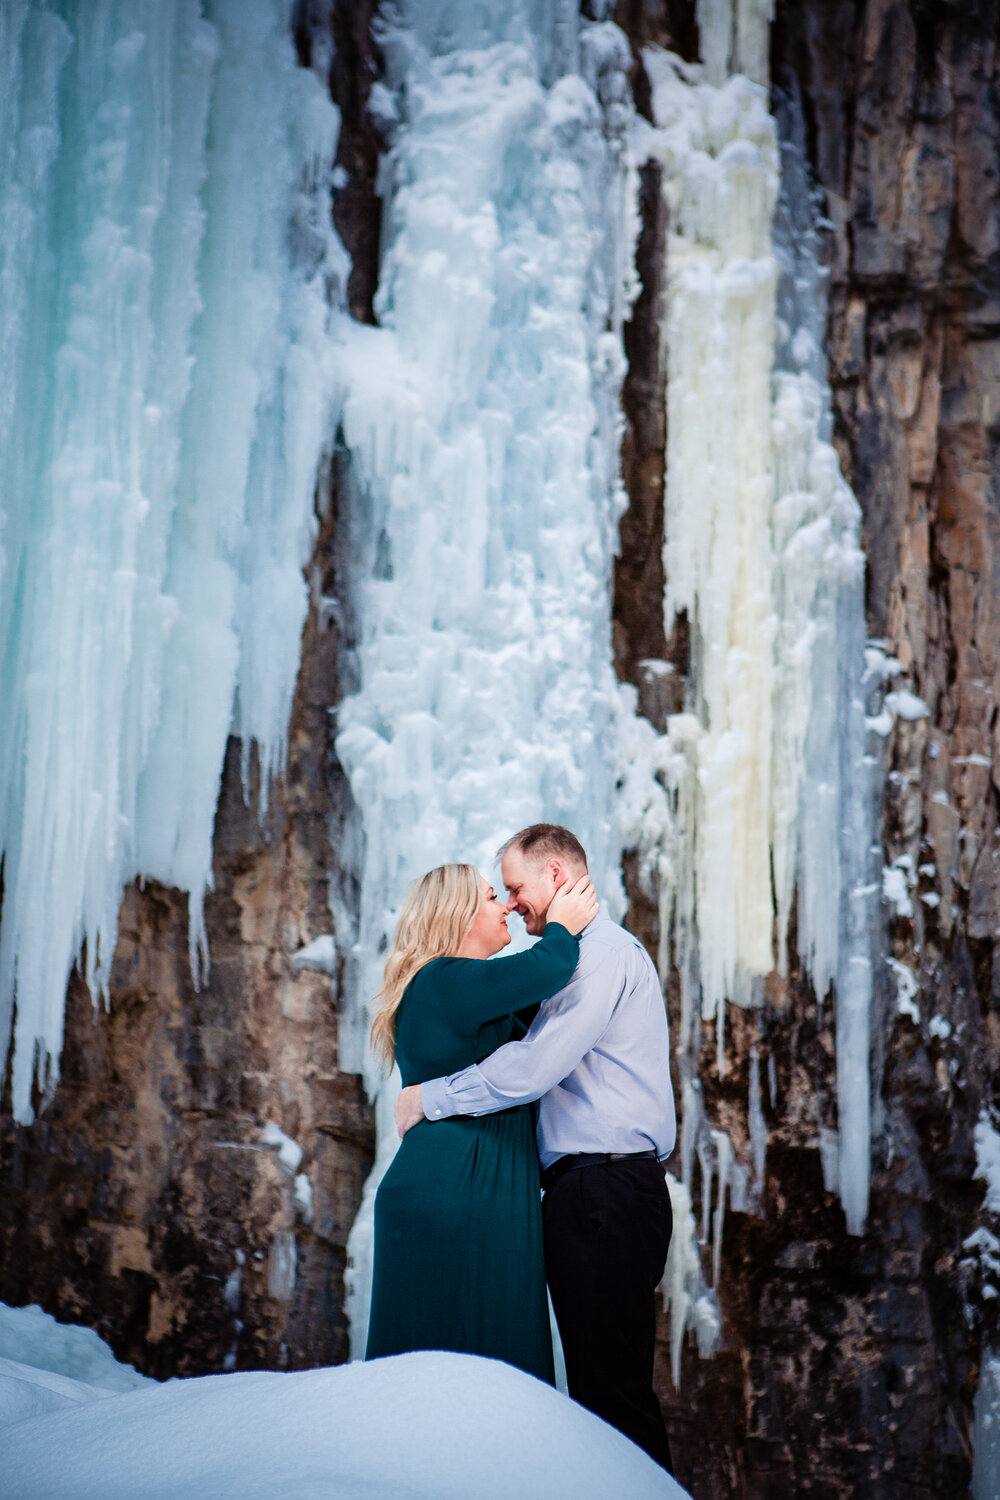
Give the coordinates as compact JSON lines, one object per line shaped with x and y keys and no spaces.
{"x":596,"y":921}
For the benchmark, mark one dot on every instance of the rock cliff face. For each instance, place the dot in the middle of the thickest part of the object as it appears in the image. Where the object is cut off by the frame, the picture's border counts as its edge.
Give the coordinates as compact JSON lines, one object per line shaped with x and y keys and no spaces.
{"x":144,"y":1201}
{"x":848,"y":1365}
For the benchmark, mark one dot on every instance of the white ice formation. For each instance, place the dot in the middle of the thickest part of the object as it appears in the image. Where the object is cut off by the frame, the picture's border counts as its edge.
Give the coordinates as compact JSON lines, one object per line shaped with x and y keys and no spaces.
{"x":172,"y":324}
{"x":767,"y":783}
{"x":165,"y":273}
{"x":690,"y":1303}
{"x":482,"y":425}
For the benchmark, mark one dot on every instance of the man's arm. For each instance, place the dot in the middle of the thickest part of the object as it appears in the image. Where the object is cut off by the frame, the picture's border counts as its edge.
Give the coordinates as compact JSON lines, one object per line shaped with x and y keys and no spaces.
{"x":566,"y":1028}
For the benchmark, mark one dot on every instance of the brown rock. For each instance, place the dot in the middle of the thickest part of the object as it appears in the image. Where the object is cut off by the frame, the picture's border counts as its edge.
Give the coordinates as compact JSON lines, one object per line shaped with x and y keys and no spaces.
{"x":143,"y":1201}
{"x":848,"y":1365}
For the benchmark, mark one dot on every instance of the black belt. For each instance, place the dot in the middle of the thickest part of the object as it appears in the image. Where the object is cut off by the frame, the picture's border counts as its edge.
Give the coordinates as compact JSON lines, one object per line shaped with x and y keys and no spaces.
{"x":589,"y":1159}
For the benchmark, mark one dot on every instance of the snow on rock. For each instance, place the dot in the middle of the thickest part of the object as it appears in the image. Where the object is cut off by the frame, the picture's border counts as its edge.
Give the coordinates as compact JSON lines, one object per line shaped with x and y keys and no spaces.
{"x":319,"y":956}
{"x":289,"y":1151}
{"x":906,"y":705}
{"x":896,"y":880}
{"x":426,"y":1426}
{"x":907,"y":990}
{"x":987,"y":1140}
{"x":879,"y":664}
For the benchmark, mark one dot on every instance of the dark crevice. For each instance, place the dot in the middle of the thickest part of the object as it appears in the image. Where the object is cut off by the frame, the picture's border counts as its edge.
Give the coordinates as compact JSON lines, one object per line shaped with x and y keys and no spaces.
{"x":357,"y":208}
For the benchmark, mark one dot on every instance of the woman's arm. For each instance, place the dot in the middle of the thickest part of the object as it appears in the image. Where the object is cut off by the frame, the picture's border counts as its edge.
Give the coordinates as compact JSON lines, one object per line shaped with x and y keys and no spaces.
{"x":472,"y":991}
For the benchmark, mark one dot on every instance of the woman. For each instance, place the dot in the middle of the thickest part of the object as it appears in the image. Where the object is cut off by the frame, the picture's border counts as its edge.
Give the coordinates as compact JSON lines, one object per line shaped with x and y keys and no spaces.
{"x":458,"y":1229}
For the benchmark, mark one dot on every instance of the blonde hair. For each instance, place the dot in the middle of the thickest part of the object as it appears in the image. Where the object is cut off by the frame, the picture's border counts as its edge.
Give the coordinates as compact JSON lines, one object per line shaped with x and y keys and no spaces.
{"x":439,"y":909}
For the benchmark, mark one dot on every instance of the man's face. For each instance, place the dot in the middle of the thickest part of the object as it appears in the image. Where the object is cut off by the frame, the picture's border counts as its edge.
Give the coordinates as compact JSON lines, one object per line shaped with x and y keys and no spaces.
{"x":531,"y":886}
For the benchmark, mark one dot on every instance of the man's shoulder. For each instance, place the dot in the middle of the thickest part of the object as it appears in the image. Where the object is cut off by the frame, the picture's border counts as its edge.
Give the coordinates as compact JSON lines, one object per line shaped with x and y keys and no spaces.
{"x":606,"y":936}
{"x":607,"y":939}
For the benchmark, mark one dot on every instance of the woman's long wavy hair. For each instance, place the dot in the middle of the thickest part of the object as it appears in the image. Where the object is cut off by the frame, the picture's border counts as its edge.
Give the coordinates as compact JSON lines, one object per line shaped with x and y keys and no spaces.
{"x":439,"y":909}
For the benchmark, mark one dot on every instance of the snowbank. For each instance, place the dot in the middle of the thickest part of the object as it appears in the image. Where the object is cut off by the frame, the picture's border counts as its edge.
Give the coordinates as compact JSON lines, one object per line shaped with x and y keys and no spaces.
{"x":417,"y":1427}
{"x":33,"y":1337}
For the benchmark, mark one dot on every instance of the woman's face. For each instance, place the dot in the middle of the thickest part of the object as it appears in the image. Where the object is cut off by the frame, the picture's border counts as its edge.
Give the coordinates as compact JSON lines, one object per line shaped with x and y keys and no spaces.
{"x":488,"y":933}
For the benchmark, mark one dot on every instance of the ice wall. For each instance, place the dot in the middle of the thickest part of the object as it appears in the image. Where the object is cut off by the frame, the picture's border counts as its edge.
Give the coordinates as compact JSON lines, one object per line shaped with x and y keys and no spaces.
{"x":165,"y":280}
{"x":176,"y":361}
{"x":481,"y":427}
{"x":826,"y":840}
{"x":482,"y":424}
{"x":767,"y":786}
{"x":721,"y":180}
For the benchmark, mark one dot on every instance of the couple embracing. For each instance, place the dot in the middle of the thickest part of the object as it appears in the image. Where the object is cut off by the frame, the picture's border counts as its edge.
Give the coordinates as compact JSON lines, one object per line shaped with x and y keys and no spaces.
{"x":463,"y":1241}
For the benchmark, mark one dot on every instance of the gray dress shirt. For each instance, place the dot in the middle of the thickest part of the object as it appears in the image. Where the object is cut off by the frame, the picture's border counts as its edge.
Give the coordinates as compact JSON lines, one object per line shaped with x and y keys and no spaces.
{"x":597,"y":1059}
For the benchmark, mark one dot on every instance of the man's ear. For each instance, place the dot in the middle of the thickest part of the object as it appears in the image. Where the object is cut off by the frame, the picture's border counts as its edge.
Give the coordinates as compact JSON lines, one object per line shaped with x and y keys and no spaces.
{"x":558,"y":872}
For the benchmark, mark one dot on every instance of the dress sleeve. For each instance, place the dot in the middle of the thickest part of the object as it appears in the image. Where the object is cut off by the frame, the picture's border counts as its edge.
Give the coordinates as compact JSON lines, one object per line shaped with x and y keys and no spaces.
{"x":564,"y":1031}
{"x":472,"y":991}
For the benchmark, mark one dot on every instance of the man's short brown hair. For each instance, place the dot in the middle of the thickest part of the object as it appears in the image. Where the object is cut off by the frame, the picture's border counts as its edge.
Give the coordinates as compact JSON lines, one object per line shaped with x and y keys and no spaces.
{"x":546,"y":841}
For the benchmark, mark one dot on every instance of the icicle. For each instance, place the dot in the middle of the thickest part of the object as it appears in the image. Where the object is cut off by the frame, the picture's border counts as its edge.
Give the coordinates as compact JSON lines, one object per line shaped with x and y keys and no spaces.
{"x":168,"y":386}
{"x":758,"y":1132}
{"x":724,"y":1160}
{"x":692,"y":1119}
{"x":707,"y":1159}
{"x":762,"y":553}
{"x":686,"y":1298}
{"x":719,"y":152}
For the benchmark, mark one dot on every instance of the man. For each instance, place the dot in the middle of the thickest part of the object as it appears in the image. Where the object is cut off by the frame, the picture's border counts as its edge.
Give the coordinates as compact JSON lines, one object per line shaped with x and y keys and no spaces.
{"x":597,"y":1060}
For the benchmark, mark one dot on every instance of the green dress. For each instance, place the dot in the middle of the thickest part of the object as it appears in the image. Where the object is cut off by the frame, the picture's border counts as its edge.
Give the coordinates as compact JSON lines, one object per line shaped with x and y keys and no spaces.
{"x":458,"y":1225}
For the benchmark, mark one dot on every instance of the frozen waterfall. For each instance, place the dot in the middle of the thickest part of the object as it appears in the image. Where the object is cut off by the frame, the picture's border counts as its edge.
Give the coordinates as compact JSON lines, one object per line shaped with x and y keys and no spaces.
{"x":167,"y":378}
{"x":179,"y":353}
{"x":483,"y":495}
{"x":482,"y":422}
{"x":767,"y":783}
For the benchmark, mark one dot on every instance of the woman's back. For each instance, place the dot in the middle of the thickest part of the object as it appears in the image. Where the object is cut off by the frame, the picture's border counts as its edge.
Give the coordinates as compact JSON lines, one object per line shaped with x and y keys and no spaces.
{"x":436,"y":1033}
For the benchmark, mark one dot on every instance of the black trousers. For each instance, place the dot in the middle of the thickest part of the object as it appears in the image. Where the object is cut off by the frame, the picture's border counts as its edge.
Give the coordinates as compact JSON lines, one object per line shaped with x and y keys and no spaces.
{"x":607,"y":1231}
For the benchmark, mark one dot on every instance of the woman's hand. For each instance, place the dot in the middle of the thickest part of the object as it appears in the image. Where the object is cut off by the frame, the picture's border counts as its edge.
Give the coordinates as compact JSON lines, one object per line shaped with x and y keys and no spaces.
{"x":573,"y":905}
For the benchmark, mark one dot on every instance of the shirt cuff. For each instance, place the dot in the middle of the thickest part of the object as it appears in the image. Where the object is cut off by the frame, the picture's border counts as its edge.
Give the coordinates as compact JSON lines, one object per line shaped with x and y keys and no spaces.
{"x":434,"y":1097}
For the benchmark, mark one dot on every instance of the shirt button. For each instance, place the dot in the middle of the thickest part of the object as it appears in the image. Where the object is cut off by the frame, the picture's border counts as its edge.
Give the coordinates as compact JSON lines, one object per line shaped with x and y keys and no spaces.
{"x":438,"y":1113}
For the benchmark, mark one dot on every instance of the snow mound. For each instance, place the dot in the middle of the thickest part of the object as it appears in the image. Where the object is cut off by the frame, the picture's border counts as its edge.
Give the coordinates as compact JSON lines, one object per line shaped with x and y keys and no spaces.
{"x":26,"y":1391}
{"x":30,"y":1336}
{"x":427,"y":1426}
